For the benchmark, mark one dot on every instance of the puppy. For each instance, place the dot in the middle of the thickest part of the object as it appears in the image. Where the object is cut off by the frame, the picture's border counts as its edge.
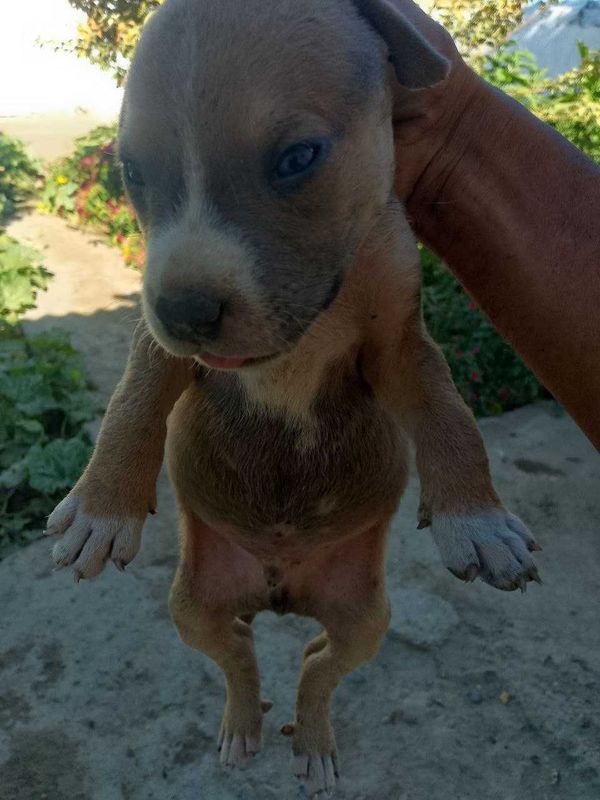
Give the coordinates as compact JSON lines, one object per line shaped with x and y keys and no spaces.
{"x":282,"y":357}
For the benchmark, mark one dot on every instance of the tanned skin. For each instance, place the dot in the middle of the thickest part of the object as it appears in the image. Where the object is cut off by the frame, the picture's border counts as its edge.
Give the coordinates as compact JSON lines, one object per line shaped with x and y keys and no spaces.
{"x":512,"y":207}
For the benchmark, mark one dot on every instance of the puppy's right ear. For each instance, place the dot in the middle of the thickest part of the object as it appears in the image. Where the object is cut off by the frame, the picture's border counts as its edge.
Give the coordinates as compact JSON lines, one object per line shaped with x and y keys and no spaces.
{"x":416,"y":63}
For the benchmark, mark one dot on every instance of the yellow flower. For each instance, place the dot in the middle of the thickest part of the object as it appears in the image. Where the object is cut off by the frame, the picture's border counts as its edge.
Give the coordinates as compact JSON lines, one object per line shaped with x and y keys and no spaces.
{"x":62,"y":180}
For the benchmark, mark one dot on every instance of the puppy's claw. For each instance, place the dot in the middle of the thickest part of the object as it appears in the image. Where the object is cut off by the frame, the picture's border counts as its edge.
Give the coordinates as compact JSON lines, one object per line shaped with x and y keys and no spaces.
{"x":289,"y":729}
{"x":266,"y":706}
{"x":120,"y":565}
{"x":535,"y":575}
{"x":424,"y":523}
{"x":77,"y":576}
{"x":534,"y":547}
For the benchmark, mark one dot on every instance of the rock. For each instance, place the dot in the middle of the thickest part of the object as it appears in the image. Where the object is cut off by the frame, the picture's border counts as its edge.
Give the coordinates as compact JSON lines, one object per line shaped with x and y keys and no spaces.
{"x":421,"y":618}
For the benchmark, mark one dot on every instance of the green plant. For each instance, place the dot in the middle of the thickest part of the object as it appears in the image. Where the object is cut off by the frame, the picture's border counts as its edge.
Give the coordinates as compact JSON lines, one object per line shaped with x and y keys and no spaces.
{"x":18,"y":175}
{"x":486,"y":370}
{"x":44,"y":404}
{"x":21,"y":277}
{"x":570,"y":103}
{"x":87,"y":188}
{"x":111,"y":31}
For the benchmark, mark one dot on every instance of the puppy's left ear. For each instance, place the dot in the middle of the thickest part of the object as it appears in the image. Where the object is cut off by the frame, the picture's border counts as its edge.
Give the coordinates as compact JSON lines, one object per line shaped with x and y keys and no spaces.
{"x":416,"y":63}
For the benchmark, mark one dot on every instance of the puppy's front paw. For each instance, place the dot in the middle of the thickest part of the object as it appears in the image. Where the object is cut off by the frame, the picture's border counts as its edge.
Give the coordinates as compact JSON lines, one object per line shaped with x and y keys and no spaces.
{"x":88,"y":541}
{"x":493,"y":545}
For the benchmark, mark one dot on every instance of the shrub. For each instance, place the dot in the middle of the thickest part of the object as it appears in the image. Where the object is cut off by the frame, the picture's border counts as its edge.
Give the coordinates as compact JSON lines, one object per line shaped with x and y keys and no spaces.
{"x":21,"y":277}
{"x":87,"y":187}
{"x":570,"y":103}
{"x":486,"y":370}
{"x":19,"y":175}
{"x":110,"y":33}
{"x":44,"y":403}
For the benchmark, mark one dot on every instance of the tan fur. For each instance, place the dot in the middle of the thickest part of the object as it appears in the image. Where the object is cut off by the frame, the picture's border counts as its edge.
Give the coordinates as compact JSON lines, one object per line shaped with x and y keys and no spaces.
{"x":286,"y":471}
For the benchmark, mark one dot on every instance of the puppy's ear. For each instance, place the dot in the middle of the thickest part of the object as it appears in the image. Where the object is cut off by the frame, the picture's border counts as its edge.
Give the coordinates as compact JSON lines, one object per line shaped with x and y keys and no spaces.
{"x":416,"y":63}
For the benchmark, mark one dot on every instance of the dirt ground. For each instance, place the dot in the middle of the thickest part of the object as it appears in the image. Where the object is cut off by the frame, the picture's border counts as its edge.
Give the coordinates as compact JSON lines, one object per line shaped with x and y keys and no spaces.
{"x":475,"y":694}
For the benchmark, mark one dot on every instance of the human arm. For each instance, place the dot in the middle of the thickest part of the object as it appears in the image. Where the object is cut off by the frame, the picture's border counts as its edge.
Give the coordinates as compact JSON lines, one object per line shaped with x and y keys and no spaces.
{"x":513,"y":209}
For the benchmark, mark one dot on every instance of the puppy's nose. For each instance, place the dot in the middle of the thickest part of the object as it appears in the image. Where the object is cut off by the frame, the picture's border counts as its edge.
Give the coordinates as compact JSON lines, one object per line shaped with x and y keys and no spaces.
{"x":191,"y":317}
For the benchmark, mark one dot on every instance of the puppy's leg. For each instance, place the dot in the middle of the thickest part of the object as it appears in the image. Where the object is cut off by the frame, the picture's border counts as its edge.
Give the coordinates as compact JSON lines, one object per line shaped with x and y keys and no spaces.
{"x":216,"y":585}
{"x":103,"y":515}
{"x":475,"y":534}
{"x":345,"y":591}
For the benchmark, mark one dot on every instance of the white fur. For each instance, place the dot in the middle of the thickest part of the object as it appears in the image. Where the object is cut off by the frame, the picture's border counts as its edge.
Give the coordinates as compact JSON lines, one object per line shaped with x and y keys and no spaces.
{"x":89,"y":542}
{"x":492,"y":544}
{"x":317,"y":773}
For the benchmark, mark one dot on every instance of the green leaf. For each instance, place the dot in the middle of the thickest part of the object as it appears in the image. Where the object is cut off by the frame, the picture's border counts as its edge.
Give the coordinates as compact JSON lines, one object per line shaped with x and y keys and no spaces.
{"x":58,"y":465}
{"x":14,"y":475}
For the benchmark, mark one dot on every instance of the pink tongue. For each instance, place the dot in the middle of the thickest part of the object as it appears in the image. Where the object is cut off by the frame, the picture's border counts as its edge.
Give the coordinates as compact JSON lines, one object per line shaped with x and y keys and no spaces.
{"x":217,"y":362}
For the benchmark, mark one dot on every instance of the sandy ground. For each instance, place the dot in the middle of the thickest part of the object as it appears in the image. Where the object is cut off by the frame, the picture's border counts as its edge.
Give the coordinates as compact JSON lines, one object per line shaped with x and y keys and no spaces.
{"x":475,"y":694}
{"x":52,"y":134}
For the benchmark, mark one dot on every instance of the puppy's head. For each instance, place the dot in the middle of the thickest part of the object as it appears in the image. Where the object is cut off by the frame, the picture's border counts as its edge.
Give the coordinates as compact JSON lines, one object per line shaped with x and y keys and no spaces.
{"x":257,"y":146}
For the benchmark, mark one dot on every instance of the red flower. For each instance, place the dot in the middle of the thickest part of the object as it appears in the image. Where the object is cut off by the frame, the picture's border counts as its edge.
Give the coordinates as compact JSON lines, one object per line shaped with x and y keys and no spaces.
{"x":474,"y":397}
{"x":475,"y":377}
{"x":476,"y":351}
{"x":473,"y":306}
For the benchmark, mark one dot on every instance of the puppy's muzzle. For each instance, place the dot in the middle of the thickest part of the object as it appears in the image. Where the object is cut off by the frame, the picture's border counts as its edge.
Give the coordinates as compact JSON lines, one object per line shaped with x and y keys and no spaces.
{"x":192,"y":317}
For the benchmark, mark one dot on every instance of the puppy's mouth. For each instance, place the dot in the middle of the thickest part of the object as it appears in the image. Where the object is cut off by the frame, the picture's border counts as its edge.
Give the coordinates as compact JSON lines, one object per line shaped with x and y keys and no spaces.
{"x":229,"y":363}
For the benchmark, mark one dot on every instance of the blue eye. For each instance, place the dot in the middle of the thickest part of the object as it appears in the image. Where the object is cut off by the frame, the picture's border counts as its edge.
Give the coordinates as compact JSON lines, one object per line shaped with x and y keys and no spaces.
{"x":299,"y":160}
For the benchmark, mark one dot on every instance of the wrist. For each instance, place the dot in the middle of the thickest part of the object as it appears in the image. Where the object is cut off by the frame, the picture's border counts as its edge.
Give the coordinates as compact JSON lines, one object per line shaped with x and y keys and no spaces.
{"x":436,"y":143}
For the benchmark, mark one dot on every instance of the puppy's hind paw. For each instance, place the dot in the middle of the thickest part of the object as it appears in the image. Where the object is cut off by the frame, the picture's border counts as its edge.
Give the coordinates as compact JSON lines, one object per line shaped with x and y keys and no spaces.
{"x":88,"y":542}
{"x":493,"y":545}
{"x":317,"y":773}
{"x":315,"y":759}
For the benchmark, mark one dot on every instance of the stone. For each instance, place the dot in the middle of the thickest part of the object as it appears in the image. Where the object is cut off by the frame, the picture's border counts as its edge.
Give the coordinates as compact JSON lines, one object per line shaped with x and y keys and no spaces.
{"x":421,"y":618}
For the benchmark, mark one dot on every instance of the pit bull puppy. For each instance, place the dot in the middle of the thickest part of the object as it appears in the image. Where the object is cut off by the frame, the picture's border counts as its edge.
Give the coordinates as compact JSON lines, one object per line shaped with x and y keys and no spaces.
{"x":282,"y":357}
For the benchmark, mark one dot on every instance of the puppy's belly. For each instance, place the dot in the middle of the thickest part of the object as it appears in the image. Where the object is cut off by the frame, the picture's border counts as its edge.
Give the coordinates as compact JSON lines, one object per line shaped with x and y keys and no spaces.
{"x":280,"y":491}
